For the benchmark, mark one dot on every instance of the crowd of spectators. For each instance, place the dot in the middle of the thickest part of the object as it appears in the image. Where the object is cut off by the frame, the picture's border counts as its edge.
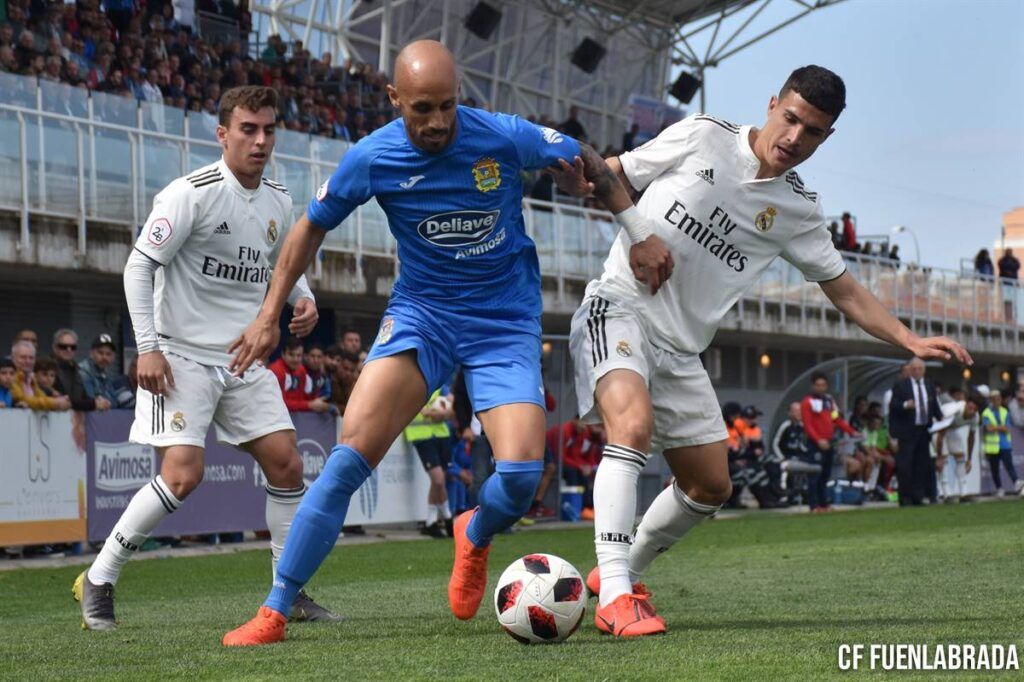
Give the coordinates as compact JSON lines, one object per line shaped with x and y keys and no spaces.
{"x":1008,"y":265}
{"x":58,"y":382}
{"x":844,"y":237}
{"x":316,"y":379}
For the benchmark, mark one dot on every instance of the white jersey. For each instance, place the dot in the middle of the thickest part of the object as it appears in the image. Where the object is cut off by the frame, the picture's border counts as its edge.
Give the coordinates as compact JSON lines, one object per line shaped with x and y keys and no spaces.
{"x":217,"y":242}
{"x":960,"y":428}
{"x":722,"y":226}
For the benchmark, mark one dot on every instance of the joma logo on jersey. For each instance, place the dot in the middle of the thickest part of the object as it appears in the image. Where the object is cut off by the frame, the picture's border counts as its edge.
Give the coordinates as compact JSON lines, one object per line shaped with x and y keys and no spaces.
{"x":457,"y":229}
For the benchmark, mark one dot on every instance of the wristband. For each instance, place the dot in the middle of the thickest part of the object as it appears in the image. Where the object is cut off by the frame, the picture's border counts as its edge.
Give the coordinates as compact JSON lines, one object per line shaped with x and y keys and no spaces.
{"x":636,"y":226}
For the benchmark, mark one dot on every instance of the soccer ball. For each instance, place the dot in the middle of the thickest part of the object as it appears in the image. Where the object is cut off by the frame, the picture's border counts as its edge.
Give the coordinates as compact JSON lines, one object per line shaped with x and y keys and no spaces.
{"x":540,"y":599}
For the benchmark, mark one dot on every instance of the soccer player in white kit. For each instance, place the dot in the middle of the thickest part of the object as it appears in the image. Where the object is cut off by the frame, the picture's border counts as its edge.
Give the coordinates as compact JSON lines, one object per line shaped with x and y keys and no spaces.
{"x":727,"y":202}
{"x":957,"y":434}
{"x":197,"y":275}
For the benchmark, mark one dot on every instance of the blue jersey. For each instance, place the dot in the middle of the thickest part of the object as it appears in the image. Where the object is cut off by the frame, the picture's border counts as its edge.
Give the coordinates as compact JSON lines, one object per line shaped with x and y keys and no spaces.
{"x":457,"y":214}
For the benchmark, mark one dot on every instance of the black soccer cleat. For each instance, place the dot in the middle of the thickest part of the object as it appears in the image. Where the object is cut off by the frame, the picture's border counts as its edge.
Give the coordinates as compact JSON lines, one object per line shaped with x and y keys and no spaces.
{"x":97,"y":603}
{"x":305,"y":610}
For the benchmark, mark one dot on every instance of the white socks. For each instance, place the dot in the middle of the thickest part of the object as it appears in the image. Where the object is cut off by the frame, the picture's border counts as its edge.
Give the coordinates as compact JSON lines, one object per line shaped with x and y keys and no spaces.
{"x":443,"y":510}
{"x":148,"y":507}
{"x":282,"y":503}
{"x":614,"y":513}
{"x":669,"y":518}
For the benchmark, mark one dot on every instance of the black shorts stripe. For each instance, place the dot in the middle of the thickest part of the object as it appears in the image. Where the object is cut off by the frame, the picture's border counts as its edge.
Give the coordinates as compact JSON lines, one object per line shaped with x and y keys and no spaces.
{"x":152,"y":416}
{"x":604,"y":334}
{"x":590,"y":332}
{"x":163,"y":498}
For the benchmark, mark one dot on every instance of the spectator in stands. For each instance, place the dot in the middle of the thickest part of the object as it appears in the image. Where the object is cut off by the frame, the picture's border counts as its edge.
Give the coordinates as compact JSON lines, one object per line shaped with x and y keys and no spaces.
{"x":344,"y":380}
{"x":572,"y":126}
{"x":821,"y":417}
{"x":352,"y":342}
{"x":849,"y":241}
{"x":6,"y":35}
{"x":983,"y":264}
{"x":69,"y":381}
{"x":1009,"y":266}
{"x":7,"y":372}
{"x":859,"y":413}
{"x":8,"y":61}
{"x":296,"y":385}
{"x":98,"y":379}
{"x":833,"y":230}
{"x":25,"y":390}
{"x":879,"y":448}
{"x":580,"y":447}
{"x":45,"y":375}
{"x":894,"y":253}
{"x":26,"y":335}
{"x":316,"y":370}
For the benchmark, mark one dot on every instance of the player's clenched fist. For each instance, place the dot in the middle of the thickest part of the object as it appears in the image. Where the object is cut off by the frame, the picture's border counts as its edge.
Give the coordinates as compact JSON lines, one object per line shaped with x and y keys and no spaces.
{"x":304,"y":317}
{"x":651,"y":262}
{"x":255,"y":343}
{"x":154,"y":373}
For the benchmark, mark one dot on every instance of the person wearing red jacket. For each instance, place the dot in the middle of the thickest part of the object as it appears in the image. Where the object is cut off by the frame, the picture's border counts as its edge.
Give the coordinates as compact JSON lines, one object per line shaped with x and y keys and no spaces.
{"x":580,"y":447}
{"x":821,"y":417}
{"x":296,"y":384}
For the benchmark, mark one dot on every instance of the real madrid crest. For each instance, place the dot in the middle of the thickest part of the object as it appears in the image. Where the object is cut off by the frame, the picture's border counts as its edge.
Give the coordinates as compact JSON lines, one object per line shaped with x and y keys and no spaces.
{"x":623,"y":349}
{"x":272,"y":231}
{"x":765,"y":219}
{"x":487,"y":174}
{"x":178,"y":422}
{"x":387,"y":325}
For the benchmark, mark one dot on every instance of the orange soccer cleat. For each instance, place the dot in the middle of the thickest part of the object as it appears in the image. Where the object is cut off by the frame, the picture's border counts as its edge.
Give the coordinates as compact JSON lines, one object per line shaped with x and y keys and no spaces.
{"x":266,"y":628}
{"x":630,"y":615}
{"x":469,"y":573}
{"x":594,"y":585}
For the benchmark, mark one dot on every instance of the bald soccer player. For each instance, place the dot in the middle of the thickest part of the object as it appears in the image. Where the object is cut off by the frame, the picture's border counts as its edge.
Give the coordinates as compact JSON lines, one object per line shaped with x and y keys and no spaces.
{"x":447,"y":178}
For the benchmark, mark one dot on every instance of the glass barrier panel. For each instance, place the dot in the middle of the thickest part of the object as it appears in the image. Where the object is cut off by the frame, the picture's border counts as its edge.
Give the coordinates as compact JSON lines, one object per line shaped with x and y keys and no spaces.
{"x":544,"y":238}
{"x":163,"y":119}
{"x":292,"y":143}
{"x":118,"y":109}
{"x":328,"y":151}
{"x":60,"y":166}
{"x":19,"y":91}
{"x":202,"y":126}
{"x":10,"y":158}
{"x":160,"y":165}
{"x":108,"y":176}
{"x":60,"y":98}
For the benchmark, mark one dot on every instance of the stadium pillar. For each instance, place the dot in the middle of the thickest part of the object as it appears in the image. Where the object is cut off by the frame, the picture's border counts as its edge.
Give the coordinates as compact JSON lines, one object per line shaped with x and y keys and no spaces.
{"x":384,"y":56}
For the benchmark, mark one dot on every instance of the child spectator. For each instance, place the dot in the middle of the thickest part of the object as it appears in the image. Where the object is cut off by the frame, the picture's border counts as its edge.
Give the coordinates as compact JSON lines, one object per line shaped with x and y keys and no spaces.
{"x":45,"y":375}
{"x":315,"y":362}
{"x":7,"y":372}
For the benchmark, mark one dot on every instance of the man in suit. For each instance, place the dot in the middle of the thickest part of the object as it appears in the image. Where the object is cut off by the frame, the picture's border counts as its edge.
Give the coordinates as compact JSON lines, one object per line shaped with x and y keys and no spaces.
{"x":912,"y":409}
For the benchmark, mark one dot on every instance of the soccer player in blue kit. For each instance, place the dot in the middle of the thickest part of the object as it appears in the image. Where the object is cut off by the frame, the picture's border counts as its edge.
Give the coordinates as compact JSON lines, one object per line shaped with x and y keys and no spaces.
{"x":468,"y":294}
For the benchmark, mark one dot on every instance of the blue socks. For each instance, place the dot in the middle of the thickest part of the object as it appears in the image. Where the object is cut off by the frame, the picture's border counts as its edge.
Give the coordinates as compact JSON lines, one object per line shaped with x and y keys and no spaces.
{"x":504,"y":498}
{"x":317,"y":522}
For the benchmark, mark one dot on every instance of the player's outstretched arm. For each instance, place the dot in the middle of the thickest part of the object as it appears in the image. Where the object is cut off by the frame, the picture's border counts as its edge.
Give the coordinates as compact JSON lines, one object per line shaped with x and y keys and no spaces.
{"x":868,"y":313}
{"x":261,"y":336}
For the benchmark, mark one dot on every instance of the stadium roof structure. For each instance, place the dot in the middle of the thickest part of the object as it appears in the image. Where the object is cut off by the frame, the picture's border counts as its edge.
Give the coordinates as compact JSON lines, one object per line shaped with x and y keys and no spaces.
{"x":525,"y":64}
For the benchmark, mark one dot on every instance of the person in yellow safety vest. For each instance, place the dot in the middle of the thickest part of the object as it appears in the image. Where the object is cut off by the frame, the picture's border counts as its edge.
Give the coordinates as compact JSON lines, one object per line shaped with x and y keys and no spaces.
{"x":430,"y":435}
{"x":995,"y":421}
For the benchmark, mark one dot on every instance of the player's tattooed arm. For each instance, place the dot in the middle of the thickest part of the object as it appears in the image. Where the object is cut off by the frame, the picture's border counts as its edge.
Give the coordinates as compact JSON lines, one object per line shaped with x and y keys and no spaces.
{"x":607,"y":188}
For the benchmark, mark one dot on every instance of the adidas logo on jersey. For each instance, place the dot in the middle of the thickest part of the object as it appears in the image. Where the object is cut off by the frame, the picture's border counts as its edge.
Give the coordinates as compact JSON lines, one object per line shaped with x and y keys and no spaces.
{"x":707,"y":175}
{"x":222,"y":229}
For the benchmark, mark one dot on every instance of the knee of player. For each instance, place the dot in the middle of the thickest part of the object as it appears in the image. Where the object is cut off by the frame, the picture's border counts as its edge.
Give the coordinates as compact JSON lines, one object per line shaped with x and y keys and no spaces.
{"x":286,"y":473}
{"x":714,"y":491}
{"x":181,"y":483}
{"x":632,"y":430}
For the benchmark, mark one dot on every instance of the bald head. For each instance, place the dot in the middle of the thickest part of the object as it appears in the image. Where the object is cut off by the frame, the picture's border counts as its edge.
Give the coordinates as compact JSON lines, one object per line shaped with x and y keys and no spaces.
{"x":425,"y":91}
{"x":424,"y":61}
{"x":916,"y":368}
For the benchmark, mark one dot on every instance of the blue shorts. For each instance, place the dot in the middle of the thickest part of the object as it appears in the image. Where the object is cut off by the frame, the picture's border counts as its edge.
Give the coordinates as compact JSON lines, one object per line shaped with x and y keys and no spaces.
{"x":500,"y":358}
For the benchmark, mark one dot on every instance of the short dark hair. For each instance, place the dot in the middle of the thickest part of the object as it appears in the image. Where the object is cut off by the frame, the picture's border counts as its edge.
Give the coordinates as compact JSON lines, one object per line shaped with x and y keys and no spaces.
{"x":818,"y":375}
{"x":976,"y":398}
{"x":291,"y":343}
{"x":315,"y":346}
{"x":6,"y":363}
{"x":45,"y":365}
{"x":251,"y":97}
{"x":333,"y":351}
{"x":821,"y":88}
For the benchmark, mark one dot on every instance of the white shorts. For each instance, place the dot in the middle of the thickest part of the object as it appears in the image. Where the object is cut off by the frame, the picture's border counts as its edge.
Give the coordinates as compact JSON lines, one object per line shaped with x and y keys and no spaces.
{"x":605,"y":336}
{"x":243,"y":408}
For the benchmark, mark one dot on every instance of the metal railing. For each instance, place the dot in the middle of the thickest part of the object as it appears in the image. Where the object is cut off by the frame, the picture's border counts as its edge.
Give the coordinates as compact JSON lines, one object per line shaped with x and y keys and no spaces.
{"x":93,"y":157}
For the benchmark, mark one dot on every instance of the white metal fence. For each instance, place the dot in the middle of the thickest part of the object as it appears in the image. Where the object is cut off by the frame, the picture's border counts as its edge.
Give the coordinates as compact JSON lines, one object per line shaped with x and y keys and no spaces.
{"x":94,"y":157}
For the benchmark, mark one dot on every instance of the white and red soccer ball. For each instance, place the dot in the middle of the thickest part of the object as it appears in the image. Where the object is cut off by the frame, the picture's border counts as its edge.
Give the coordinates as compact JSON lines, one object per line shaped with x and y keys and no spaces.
{"x":540,"y":599}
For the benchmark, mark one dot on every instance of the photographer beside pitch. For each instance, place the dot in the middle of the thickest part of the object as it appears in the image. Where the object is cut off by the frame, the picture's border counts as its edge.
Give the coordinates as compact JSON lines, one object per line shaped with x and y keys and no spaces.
{"x":727,"y":202}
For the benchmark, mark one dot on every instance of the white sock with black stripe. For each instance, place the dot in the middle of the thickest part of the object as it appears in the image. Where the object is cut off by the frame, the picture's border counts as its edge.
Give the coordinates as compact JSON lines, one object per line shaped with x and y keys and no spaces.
{"x":669,"y":518}
{"x":282,"y":503}
{"x":147,"y":509}
{"x":614,"y":513}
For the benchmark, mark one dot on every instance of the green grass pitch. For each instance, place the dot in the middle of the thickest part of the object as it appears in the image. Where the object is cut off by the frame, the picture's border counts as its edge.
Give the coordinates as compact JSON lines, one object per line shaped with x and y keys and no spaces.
{"x":760,"y":597}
